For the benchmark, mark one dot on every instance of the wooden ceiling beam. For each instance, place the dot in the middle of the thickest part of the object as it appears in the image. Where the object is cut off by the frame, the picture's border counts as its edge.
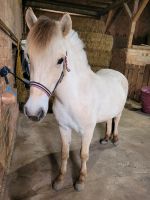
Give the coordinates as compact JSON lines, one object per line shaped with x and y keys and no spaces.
{"x":114,"y":5}
{"x":68,"y":8}
{"x":67,"y":4}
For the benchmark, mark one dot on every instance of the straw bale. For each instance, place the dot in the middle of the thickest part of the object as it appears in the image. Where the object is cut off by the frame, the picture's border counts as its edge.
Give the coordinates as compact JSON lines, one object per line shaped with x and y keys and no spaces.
{"x":88,"y":24}
{"x":97,"y":41}
{"x":99,"y":58}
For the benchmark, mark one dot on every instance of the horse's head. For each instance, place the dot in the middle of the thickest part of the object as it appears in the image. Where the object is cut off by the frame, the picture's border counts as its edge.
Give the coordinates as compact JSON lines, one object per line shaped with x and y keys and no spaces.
{"x":46,"y":49}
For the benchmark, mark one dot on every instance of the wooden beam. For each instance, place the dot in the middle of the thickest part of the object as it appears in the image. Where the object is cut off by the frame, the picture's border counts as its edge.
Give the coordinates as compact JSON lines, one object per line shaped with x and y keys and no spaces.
{"x":139,"y":12}
{"x":134,"y":20}
{"x":112,"y":15}
{"x":135,"y":8}
{"x":127,"y":9}
{"x":131,"y":33}
{"x":109,"y":19}
{"x":64,"y":8}
{"x":6,"y":30}
{"x":114,"y":5}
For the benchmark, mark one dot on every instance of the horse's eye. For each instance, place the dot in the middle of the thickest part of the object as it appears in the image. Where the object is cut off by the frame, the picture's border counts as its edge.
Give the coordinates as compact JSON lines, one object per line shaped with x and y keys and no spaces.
{"x":60,"y":61}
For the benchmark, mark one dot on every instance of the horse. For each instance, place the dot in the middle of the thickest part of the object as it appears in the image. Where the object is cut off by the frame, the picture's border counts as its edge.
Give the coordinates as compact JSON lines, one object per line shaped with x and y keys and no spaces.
{"x":59,"y":65}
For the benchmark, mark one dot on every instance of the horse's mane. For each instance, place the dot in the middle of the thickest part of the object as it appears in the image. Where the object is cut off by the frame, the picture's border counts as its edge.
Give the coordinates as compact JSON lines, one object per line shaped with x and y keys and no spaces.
{"x":41,"y":33}
{"x":78,"y":46}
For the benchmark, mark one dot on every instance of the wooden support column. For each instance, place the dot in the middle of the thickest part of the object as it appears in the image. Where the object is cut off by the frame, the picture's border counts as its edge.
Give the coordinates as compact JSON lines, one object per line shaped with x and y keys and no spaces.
{"x":127,"y":9}
{"x":109,"y":18}
{"x":112,"y":15}
{"x":135,"y":18}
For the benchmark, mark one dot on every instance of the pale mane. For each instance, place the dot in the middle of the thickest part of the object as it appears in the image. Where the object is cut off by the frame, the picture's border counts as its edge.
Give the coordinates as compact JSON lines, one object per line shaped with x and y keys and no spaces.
{"x":41,"y":33}
{"x":78,"y":46}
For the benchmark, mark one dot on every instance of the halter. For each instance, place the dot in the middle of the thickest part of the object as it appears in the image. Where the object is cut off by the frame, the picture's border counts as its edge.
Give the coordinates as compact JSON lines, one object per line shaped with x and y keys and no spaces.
{"x":45,"y":89}
{"x":5,"y":70}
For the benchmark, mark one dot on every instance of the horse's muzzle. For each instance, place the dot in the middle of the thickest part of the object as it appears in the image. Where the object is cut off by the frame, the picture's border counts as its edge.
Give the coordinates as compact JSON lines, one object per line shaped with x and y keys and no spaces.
{"x":37,"y":117}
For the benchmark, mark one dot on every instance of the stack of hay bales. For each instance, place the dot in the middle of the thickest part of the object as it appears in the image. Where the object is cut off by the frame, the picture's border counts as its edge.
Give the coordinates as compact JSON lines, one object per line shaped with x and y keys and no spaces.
{"x":97,"y":44}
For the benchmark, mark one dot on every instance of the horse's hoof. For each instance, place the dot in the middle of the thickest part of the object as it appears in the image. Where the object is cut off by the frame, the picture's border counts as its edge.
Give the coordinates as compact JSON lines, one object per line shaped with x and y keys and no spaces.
{"x":79,"y":186}
{"x":116,"y":143}
{"x":58,"y":184}
{"x":103,"y":141}
{"x":115,"y":140}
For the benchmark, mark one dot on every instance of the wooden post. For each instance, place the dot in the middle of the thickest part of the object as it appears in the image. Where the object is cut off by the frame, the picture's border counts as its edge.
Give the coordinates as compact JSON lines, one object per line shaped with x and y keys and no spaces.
{"x":134,"y":20}
{"x":127,"y":9}
{"x":132,"y":30}
{"x":109,"y":18}
{"x":135,"y":8}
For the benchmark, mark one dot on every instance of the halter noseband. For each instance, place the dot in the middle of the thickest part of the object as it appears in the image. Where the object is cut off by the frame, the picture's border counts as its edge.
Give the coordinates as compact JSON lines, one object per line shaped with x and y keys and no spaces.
{"x":45,"y":89}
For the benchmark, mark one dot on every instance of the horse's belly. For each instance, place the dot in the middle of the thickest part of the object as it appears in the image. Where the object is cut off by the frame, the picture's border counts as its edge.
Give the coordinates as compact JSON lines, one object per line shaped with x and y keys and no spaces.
{"x":111,"y":106}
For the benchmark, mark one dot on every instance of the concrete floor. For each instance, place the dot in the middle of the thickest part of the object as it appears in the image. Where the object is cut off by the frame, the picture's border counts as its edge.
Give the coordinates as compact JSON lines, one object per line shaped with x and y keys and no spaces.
{"x":114,"y":173}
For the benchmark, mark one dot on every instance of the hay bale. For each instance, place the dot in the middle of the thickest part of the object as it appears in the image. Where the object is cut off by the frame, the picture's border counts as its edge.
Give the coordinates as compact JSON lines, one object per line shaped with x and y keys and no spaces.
{"x":97,"y":40}
{"x":99,"y":58}
{"x":88,"y":24}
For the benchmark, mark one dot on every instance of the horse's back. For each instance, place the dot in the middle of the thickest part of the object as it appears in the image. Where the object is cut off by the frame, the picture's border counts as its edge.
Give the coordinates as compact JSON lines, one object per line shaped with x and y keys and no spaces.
{"x":110,"y":74}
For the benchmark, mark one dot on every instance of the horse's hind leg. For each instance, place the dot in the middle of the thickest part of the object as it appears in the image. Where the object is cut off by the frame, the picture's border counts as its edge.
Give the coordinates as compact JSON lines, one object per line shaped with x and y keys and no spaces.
{"x":66,"y":140}
{"x":107,"y":133}
{"x":115,"y":132}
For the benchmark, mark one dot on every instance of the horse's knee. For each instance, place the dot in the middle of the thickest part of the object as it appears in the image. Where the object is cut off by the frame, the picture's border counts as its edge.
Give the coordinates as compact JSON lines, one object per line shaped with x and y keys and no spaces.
{"x":65,"y":155}
{"x":84,"y":156}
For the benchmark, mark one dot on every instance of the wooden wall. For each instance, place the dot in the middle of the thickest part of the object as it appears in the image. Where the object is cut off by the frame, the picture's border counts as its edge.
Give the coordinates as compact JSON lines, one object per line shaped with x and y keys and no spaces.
{"x":10,"y":18}
{"x":134,"y":62}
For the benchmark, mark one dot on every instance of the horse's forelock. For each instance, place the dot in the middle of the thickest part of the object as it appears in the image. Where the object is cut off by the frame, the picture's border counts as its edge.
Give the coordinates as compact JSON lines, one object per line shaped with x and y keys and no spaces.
{"x":41,"y":34}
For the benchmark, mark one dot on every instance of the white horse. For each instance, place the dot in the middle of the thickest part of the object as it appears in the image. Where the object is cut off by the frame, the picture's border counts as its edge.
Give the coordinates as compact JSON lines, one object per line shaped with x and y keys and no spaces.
{"x":82,"y":98}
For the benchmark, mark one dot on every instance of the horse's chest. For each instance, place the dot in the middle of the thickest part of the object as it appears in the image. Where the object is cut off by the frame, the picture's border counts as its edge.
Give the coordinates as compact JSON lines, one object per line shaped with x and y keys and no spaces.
{"x":69,"y":116}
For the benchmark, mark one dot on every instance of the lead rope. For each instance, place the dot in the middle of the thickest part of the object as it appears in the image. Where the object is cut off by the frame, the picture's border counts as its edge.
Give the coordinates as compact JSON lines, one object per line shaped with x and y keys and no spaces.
{"x":5,"y":70}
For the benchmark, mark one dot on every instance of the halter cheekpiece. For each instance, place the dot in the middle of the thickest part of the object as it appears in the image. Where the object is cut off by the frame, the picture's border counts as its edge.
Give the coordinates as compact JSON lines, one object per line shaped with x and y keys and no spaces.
{"x":45,"y":89}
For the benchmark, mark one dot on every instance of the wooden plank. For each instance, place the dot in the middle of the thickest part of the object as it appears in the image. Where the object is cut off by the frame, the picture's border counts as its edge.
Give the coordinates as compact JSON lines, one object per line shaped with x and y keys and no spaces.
{"x":138,"y":56}
{"x":139,"y":82}
{"x":146,"y":75}
{"x":134,"y":81}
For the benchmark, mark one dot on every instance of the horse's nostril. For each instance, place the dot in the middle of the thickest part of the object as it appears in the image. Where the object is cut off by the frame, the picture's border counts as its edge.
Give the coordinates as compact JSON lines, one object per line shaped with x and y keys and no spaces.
{"x":34,"y":118}
{"x":40,"y":114}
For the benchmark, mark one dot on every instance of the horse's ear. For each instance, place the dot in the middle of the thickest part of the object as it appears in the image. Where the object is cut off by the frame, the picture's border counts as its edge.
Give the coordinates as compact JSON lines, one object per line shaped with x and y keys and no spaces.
{"x":30,"y":17}
{"x":66,"y":24}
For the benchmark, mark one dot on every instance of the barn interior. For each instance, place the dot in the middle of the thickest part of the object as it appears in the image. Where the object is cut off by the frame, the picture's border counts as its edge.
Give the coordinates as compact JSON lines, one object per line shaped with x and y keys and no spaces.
{"x":116,"y":34}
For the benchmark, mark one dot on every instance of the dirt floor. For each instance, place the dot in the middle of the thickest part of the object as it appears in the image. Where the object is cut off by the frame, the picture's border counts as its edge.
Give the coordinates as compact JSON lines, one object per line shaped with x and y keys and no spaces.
{"x":114,"y":173}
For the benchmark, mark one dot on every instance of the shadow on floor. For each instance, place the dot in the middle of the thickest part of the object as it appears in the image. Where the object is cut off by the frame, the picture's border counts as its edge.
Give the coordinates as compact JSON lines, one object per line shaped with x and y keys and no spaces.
{"x":39,"y":175}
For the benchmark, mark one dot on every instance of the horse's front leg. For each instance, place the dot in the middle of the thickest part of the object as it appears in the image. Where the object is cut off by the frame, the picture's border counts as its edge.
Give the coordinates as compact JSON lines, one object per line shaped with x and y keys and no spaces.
{"x":66,"y":140}
{"x":86,"y":140}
